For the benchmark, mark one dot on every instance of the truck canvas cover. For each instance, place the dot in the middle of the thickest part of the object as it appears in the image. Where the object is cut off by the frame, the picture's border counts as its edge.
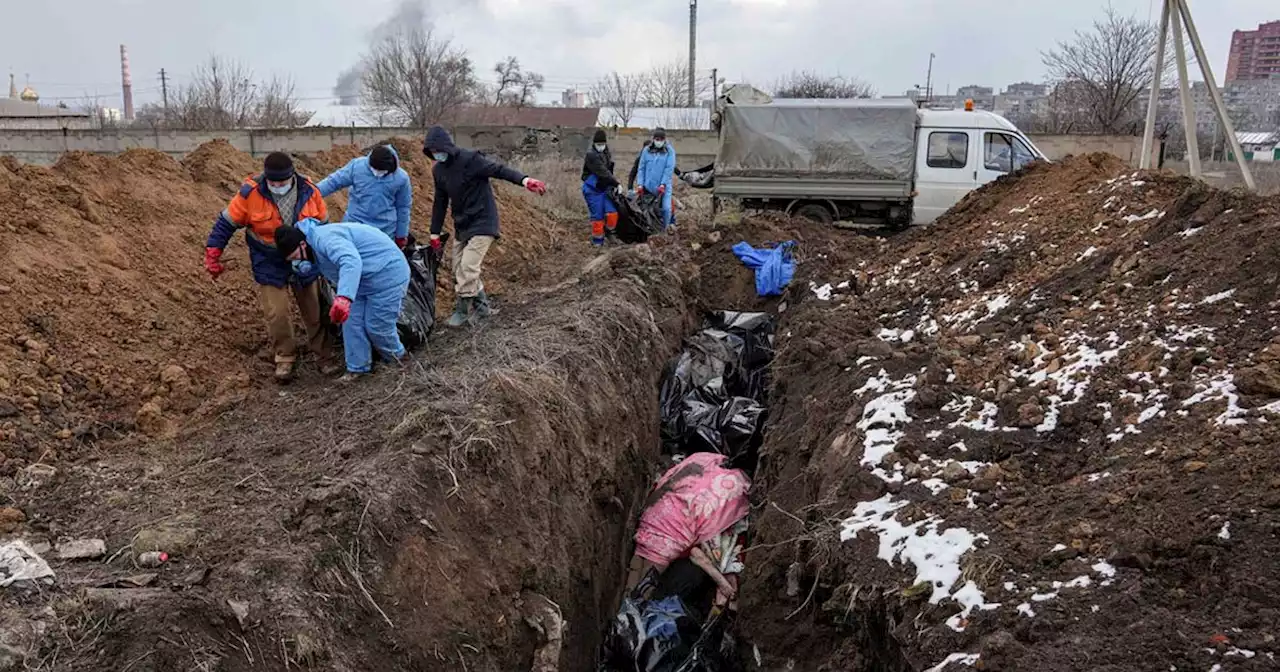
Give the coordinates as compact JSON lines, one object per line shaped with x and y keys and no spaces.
{"x":871,"y":140}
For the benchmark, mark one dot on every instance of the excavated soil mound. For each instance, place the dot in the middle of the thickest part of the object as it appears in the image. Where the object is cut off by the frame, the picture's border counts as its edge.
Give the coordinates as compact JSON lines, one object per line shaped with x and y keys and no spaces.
{"x":1038,"y":435}
{"x":109,"y":323}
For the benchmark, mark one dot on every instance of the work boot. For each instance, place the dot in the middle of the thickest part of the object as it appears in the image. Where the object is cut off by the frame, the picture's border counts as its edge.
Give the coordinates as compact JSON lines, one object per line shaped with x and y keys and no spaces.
{"x":484,"y":307}
{"x":461,"y":311}
{"x":284,"y":372}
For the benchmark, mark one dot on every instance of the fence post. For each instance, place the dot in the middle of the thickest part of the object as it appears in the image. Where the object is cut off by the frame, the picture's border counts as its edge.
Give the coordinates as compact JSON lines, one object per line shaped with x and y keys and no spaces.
{"x":252,"y":145}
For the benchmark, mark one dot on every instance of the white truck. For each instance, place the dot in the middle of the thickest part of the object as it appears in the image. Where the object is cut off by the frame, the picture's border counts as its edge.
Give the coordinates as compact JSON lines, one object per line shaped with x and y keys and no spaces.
{"x":865,"y":162}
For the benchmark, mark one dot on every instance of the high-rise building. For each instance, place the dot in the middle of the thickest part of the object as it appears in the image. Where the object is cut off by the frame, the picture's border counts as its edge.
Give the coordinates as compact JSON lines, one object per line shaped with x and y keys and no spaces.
{"x":1255,"y":54}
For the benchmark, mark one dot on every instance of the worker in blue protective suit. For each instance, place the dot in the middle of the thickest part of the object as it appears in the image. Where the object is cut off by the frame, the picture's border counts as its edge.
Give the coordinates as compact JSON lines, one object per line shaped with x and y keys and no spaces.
{"x":372,"y":276}
{"x":381,"y":195}
{"x":657,"y":171}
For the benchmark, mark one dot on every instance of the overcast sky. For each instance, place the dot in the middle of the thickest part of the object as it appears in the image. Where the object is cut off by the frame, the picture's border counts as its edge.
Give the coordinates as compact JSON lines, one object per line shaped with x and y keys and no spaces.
{"x":70,"y":48}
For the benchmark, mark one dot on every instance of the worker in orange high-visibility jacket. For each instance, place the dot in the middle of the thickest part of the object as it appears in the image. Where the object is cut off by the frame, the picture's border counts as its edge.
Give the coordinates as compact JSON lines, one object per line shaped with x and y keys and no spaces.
{"x":278,"y":196}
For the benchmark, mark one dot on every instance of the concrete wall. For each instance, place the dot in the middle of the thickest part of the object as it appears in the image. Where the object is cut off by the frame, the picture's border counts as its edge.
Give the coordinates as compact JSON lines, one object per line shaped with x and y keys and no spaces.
{"x":695,"y":148}
{"x":52,"y":123}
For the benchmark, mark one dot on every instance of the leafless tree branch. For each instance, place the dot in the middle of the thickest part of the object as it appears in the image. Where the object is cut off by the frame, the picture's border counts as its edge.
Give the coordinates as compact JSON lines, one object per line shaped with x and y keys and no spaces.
{"x":804,"y":84}
{"x":621,"y":93}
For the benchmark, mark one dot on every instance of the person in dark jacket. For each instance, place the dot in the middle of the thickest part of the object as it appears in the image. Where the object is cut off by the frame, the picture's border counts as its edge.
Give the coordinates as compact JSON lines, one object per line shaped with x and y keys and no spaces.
{"x":462,"y":182}
{"x":599,"y":186}
{"x":635,"y":167}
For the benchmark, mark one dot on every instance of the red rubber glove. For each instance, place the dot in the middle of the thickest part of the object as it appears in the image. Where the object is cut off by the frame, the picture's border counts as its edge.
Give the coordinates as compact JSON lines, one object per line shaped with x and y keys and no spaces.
{"x":639,"y":191}
{"x":211,"y":263}
{"x":436,"y":243}
{"x":536,"y":186}
{"x":341,"y":310}
{"x":662,"y":189}
{"x":401,"y":242}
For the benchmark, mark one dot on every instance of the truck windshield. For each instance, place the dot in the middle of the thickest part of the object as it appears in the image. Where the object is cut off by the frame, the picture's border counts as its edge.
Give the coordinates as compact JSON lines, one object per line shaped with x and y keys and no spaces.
{"x":1005,"y":153}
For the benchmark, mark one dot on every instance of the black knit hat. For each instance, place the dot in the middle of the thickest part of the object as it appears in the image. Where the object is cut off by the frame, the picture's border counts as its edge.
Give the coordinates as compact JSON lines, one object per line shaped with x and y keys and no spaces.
{"x":599,"y":137}
{"x":288,"y":238}
{"x":660,"y":133}
{"x":382,"y":158}
{"x":278,"y":167}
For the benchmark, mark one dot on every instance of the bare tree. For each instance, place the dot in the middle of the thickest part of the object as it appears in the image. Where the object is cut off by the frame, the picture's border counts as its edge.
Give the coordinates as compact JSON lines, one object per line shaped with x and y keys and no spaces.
{"x":667,"y":85}
{"x":620,"y":93}
{"x":221,"y":95}
{"x":1113,"y":66}
{"x":805,"y":84}
{"x":278,"y":105}
{"x":416,"y":76}
{"x":516,"y":87}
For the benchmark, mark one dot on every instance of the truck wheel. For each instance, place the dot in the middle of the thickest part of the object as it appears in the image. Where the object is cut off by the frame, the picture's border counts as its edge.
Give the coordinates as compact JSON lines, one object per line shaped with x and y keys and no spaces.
{"x":816,"y":213}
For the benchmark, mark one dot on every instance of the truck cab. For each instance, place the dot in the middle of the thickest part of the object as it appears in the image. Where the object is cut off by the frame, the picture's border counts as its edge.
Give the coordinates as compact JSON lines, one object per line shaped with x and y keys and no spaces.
{"x":958,"y":151}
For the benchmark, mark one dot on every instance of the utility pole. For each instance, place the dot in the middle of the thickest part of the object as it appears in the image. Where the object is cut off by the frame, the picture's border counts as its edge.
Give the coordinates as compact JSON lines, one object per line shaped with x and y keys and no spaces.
{"x":693,"y":51}
{"x":715,"y":86}
{"x":1179,"y":16}
{"x":164,"y":90}
{"x":928,"y":81}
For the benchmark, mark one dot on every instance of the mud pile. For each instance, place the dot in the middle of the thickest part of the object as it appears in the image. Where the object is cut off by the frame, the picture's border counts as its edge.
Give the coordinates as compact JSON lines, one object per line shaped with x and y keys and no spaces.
{"x":1036,"y":435}
{"x":108,"y":322}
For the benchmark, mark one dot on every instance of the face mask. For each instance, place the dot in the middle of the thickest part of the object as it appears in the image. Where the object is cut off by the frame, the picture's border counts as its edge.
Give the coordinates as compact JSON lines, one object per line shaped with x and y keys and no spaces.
{"x":303,"y":267}
{"x":280,"y":191}
{"x":659,"y":144}
{"x":440,"y":156}
{"x":379,"y":173}
{"x":600,"y":148}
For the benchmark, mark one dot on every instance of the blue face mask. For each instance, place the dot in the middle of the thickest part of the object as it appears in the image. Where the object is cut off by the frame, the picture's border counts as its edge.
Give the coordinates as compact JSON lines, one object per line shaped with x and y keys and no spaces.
{"x":439,"y":156}
{"x":303,"y":268}
{"x":659,"y":144}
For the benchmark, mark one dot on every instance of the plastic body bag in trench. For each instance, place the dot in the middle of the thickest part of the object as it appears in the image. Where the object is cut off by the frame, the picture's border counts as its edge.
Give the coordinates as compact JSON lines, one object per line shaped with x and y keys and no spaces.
{"x":713,"y":391}
{"x":418,"y":312}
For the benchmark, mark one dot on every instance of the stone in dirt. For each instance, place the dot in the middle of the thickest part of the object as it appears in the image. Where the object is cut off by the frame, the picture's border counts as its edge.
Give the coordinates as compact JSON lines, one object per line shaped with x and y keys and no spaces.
{"x":1030,"y":414}
{"x":10,"y":519}
{"x":151,"y":421}
{"x":954,"y":471}
{"x":82,"y":549}
{"x":1261,"y":380}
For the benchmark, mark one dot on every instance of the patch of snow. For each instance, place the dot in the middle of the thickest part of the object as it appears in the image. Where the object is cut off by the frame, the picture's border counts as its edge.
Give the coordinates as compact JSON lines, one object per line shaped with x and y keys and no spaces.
{"x":1138,"y":218}
{"x":1058,"y":547}
{"x":1087,"y":253}
{"x":962,"y":658}
{"x":934,"y":552}
{"x":1225,"y":532}
{"x":864,"y":359}
{"x":1095,"y":608}
{"x":1010,"y":586}
{"x":1044,"y":597}
{"x":1220,"y":387}
{"x":896,"y":335}
{"x":883,"y":415}
{"x":1094,"y":478}
{"x":1026,"y":610}
{"x":1220,"y":296}
{"x":823,"y":293}
{"x":1190,"y":232}
{"x":1243,"y":653}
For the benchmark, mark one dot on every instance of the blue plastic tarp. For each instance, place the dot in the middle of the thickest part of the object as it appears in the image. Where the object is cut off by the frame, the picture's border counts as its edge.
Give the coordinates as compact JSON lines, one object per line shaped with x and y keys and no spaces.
{"x":774,"y":267}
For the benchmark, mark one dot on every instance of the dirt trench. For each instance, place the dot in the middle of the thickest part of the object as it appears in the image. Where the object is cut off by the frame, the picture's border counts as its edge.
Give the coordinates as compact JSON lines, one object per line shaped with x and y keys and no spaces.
{"x":420,"y":520}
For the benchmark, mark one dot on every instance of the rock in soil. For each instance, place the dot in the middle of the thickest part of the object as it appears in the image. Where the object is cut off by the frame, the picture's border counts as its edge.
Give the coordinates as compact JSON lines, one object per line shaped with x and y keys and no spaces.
{"x":82,"y":549}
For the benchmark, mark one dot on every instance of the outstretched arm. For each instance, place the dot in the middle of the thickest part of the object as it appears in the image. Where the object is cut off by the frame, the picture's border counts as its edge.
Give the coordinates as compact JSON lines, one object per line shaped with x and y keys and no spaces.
{"x":341,"y":178}
{"x":488,"y":167}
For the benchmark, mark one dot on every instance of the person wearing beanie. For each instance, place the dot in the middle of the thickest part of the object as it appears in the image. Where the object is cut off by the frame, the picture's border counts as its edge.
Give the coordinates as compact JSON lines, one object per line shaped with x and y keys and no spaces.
{"x":461,"y":179}
{"x":656,"y":170}
{"x":381,"y":195}
{"x":372,"y":276}
{"x":278,"y":196}
{"x":599,"y":188}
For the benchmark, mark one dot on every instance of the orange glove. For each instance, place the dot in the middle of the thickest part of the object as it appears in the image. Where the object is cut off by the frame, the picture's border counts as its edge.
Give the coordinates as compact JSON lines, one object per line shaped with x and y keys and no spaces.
{"x":341,"y":310}
{"x":211,"y":263}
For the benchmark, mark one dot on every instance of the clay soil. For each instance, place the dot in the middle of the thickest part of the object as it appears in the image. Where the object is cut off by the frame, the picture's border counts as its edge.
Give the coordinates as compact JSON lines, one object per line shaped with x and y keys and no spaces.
{"x":1083,"y":360}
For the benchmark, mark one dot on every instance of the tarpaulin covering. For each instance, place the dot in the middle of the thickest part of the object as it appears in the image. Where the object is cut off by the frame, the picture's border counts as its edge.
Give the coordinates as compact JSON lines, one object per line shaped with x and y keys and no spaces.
{"x":774,"y":266}
{"x":693,"y":502}
{"x":848,"y":139}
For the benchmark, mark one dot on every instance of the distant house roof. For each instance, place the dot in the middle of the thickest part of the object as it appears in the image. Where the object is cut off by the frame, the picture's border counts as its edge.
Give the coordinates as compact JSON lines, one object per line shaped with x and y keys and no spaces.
{"x":534,"y":117}
{"x":670,"y":118}
{"x":1258,"y":137}
{"x":334,"y":114}
{"x":10,"y":108}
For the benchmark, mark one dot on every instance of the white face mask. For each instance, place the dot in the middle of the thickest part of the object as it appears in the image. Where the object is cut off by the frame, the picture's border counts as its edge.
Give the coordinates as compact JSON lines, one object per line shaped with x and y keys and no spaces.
{"x":280,"y":191}
{"x":378,"y":173}
{"x":440,"y":156}
{"x":600,"y":148}
{"x":659,"y":143}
